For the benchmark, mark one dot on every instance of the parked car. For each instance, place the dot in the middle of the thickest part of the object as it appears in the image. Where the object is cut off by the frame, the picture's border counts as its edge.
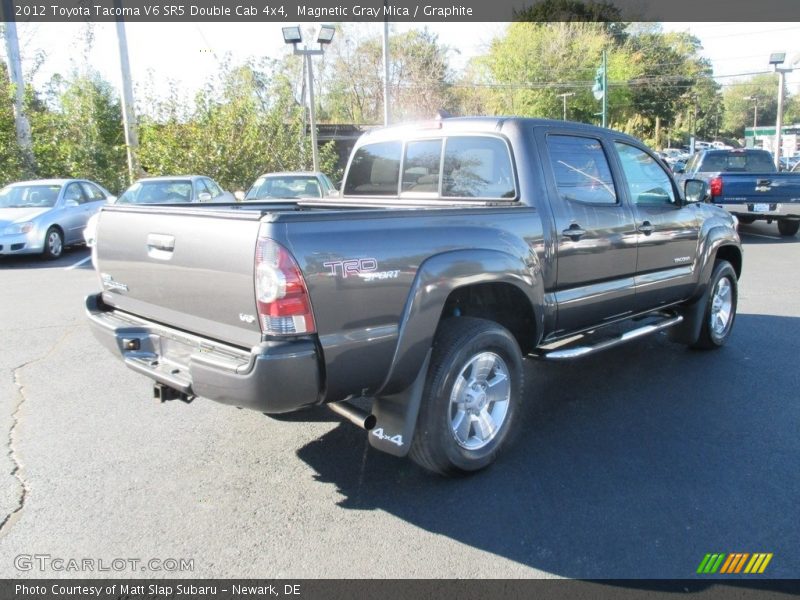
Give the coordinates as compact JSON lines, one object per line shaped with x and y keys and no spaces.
{"x":291,"y":185}
{"x":408,"y":304}
{"x":46,"y":215}
{"x":166,"y":190}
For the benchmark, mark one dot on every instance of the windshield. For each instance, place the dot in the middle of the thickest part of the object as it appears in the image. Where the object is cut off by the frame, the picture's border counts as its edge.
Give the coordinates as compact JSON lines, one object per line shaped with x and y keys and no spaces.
{"x":25,"y":196}
{"x":284,"y":186}
{"x":157,"y":192}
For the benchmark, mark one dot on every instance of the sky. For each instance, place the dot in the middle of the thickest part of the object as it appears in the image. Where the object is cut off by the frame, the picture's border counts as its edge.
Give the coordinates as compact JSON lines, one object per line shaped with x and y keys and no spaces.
{"x":163,"y":55}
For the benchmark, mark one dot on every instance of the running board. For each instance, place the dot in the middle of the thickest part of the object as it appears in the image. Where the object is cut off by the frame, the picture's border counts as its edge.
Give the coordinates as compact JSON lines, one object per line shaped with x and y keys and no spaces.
{"x":585,"y":350}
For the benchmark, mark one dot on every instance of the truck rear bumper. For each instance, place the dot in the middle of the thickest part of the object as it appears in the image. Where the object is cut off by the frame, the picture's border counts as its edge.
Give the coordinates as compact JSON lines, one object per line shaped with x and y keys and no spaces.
{"x":273,"y":377}
{"x":763,"y":210}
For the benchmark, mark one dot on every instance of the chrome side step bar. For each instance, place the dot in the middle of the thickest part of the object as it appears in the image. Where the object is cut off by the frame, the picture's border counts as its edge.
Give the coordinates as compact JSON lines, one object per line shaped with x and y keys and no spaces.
{"x":585,"y":350}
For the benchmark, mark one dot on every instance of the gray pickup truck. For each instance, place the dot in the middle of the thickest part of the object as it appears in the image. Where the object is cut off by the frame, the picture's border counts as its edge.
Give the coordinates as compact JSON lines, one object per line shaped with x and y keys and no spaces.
{"x":458,"y":247}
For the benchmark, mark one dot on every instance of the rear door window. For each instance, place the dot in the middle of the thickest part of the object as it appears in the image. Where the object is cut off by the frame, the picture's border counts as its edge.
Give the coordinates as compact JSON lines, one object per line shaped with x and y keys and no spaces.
{"x":580,"y":169}
{"x":374,"y":170}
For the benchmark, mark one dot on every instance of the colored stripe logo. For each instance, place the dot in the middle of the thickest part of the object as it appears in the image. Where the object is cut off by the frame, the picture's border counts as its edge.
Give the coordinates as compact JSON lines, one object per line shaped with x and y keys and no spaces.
{"x":737,"y":562}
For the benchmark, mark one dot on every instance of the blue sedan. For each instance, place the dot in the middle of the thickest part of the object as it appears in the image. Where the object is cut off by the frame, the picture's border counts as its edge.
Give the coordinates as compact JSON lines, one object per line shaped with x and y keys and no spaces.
{"x":47,"y":215}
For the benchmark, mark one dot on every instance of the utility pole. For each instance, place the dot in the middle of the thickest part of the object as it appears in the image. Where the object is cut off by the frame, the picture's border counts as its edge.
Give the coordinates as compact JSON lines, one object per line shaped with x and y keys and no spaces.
{"x":779,"y":119}
{"x":22,"y":125}
{"x":385,"y":64}
{"x":605,"y":90}
{"x":128,"y":114}
{"x":564,"y":97}
{"x":755,"y":110}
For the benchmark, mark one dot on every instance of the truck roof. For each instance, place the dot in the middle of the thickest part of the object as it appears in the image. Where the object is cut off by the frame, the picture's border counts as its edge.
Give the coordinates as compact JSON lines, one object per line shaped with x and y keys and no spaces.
{"x":476,"y":124}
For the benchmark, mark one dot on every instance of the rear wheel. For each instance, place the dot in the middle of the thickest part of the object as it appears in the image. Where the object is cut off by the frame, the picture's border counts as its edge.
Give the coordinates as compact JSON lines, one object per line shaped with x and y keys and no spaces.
{"x":720,"y":310}
{"x":788,"y":228}
{"x":53,"y":243}
{"x":471,"y":397}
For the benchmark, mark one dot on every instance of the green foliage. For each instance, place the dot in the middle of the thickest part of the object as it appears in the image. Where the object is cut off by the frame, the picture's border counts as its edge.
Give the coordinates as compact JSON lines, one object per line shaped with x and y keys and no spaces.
{"x":352,"y":77}
{"x":82,"y":135}
{"x":245,"y":122}
{"x":11,"y":168}
{"x":740,"y":101}
{"x":655,"y":80}
{"x":575,"y":11}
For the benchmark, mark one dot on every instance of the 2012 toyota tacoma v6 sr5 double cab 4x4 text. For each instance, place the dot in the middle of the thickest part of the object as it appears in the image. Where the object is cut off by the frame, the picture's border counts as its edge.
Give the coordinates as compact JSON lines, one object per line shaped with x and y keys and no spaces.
{"x":457,"y":248}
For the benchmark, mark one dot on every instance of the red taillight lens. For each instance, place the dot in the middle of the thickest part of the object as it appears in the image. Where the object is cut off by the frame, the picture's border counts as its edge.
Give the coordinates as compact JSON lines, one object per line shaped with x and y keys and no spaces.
{"x":715,"y":186}
{"x":281,"y":295}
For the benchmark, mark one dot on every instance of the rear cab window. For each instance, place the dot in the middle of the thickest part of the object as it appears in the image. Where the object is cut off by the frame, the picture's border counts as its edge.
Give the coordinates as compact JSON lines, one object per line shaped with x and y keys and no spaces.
{"x":476,"y":167}
{"x":737,"y":162}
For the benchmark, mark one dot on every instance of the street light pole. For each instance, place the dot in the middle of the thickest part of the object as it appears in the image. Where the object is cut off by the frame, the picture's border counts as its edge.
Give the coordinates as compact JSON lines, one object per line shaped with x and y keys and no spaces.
{"x":312,"y":114}
{"x":776,"y":59}
{"x":292,"y":35}
{"x":564,"y":97}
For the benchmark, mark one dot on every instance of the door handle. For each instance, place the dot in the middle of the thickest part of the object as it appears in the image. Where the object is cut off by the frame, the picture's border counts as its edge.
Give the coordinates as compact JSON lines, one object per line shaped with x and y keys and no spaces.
{"x":647,"y":228}
{"x":160,"y":246}
{"x":574,"y":232}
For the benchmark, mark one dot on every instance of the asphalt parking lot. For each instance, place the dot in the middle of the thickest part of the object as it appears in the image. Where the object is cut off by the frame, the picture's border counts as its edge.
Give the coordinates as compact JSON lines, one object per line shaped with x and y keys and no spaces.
{"x":633,"y":463}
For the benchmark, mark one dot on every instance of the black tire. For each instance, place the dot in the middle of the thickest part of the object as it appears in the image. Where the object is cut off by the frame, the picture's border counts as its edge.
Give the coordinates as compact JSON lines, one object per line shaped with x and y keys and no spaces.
{"x":746,"y":220}
{"x":459,"y":342}
{"x":788,"y":228}
{"x":53,"y":243}
{"x":713,"y":333}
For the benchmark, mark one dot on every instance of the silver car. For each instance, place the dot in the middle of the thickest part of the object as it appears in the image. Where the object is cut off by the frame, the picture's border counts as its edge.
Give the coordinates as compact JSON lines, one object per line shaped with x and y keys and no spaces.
{"x":290,"y":186}
{"x":47,"y":215}
{"x":165,"y":190}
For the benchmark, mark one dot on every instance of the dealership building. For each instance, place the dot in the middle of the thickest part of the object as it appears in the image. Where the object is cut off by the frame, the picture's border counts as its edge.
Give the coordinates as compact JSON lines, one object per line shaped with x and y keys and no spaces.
{"x":764,"y":137}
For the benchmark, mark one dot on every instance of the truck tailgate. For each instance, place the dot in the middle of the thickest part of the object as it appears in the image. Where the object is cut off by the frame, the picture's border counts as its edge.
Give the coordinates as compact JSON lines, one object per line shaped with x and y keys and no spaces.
{"x":189,"y":268}
{"x":769,"y":188}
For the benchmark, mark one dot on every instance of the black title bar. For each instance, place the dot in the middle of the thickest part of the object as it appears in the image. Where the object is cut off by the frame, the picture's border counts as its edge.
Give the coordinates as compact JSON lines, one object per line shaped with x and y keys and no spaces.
{"x":291,"y":11}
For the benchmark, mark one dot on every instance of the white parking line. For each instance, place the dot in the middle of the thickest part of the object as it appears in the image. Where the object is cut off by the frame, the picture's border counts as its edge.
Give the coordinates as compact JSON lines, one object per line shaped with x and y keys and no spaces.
{"x":78,"y":264}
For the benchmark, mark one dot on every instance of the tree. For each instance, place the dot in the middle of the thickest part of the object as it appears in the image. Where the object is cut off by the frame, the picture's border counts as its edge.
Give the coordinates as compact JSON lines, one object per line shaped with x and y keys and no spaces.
{"x":575,"y":11}
{"x":526,"y":69}
{"x":352,"y":77}
{"x":740,"y":100}
{"x":244,"y":122}
{"x":77,"y":130}
{"x":10,"y":158}
{"x":669,"y":81}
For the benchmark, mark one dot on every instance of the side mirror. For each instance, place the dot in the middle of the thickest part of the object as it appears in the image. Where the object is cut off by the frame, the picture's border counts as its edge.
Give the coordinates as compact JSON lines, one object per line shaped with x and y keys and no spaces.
{"x":204,"y":197}
{"x":695,"y":190}
{"x":239,"y":195}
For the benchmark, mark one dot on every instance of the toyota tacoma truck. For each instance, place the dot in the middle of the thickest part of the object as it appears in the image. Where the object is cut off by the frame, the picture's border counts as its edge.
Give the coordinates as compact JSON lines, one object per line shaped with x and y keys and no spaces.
{"x":458,"y":248}
{"x":745,"y":183}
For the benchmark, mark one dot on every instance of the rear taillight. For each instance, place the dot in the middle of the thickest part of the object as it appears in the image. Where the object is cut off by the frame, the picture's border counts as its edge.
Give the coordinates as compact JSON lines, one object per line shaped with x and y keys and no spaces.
{"x":281,"y":295}
{"x":715,"y":186}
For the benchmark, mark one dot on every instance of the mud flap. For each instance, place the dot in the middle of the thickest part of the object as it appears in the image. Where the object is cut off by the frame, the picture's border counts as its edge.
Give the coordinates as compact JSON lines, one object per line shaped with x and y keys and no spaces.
{"x":688,"y":331}
{"x":396,"y":416}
